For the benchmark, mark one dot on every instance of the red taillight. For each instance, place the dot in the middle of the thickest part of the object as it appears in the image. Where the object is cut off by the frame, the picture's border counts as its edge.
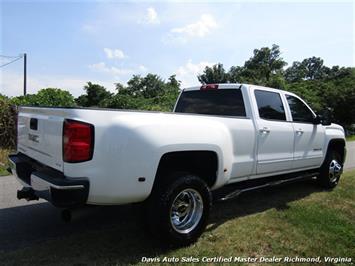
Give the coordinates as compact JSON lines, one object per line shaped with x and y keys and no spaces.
{"x":78,"y":141}
{"x":209,"y":87}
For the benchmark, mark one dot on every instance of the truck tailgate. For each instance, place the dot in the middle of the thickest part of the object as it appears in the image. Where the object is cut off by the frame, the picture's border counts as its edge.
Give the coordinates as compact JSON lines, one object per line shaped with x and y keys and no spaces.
{"x":40,"y":133}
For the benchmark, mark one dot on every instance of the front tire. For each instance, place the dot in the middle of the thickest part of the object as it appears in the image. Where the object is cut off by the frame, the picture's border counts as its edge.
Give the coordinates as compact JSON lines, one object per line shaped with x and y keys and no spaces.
{"x":331,"y":170}
{"x":178,"y":208}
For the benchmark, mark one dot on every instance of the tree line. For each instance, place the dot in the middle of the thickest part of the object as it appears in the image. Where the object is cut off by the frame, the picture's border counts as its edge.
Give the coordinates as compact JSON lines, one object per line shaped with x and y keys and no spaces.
{"x":321,"y":86}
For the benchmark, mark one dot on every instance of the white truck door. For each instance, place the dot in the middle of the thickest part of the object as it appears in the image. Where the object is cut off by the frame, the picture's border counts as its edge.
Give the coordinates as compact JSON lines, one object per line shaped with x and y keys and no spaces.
{"x":275,"y":135}
{"x":309,"y":137}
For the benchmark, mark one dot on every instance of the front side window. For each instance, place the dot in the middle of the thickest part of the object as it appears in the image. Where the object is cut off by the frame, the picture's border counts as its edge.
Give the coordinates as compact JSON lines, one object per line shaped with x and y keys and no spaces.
{"x":270,"y":105}
{"x":226,"y":102}
{"x":300,"y":112}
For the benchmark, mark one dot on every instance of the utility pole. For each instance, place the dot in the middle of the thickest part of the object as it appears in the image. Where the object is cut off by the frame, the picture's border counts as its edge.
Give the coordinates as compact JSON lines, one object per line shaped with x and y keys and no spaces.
{"x":24,"y":73}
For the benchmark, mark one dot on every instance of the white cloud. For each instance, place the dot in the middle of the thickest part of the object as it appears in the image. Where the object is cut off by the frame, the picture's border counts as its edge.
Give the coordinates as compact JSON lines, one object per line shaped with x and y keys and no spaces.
{"x":187,"y":73}
{"x":90,"y":28}
{"x":99,"y":67}
{"x":151,"y":17}
{"x":118,"y":72}
{"x":201,"y":28}
{"x":114,"y":53}
{"x":102,"y":67}
{"x":11,"y":83}
{"x":142,"y":69}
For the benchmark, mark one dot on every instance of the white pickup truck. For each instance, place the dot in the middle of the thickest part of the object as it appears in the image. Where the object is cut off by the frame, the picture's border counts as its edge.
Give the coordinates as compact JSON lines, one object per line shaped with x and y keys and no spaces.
{"x":217,"y":135}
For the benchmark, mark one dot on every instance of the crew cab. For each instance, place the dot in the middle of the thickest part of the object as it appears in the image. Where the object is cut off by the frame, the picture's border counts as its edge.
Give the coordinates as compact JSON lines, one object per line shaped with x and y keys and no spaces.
{"x":218,"y":136}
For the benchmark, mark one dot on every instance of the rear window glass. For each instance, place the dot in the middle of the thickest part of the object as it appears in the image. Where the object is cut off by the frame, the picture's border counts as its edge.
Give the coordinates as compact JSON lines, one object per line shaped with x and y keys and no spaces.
{"x":227,"y":102}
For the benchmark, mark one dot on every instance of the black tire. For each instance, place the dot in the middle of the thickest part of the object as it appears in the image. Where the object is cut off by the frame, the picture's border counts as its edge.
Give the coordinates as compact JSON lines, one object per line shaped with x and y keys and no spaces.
{"x":169,"y":212}
{"x":329,"y":178}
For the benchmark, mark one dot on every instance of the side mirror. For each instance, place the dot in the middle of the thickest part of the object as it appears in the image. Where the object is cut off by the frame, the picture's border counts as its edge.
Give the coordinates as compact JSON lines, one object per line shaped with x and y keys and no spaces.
{"x":326,"y":117}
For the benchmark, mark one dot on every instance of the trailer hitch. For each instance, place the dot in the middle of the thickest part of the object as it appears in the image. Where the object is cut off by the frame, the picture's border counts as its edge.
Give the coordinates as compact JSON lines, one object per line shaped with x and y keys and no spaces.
{"x":27,"y":193}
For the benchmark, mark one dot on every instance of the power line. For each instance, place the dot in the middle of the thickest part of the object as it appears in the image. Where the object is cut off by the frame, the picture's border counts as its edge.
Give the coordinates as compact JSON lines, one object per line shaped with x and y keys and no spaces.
{"x":18,"y":58}
{"x":24,"y":56}
{"x":9,"y":56}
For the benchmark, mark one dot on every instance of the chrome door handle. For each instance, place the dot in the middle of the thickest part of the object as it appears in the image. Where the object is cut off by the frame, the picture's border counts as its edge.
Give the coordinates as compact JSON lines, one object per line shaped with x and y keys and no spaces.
{"x":264,"y":130}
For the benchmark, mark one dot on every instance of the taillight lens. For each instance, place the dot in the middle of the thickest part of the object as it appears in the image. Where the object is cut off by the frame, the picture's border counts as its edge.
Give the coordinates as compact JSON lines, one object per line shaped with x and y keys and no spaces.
{"x":209,"y":87}
{"x":78,"y":141}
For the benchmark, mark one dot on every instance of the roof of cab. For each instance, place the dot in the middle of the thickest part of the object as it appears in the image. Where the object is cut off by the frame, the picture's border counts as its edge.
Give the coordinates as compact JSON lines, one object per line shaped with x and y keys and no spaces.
{"x":220,"y":86}
{"x":236,"y":86}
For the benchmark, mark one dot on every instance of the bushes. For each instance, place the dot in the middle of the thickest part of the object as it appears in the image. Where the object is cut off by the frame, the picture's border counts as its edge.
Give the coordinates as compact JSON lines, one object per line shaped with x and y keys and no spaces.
{"x":46,"y":97}
{"x":7,"y":124}
{"x":8,"y":110}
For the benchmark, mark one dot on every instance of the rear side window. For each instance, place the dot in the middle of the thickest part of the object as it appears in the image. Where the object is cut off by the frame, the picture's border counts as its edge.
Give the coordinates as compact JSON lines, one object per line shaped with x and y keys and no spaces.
{"x":300,"y":112}
{"x":227,"y":102}
{"x":270,"y":105}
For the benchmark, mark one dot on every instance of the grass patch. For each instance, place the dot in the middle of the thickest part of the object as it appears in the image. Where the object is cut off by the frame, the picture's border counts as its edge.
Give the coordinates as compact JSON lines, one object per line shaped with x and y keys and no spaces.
{"x":3,"y":171}
{"x":350,"y":138}
{"x":293,"y":220}
{"x":4,"y":163}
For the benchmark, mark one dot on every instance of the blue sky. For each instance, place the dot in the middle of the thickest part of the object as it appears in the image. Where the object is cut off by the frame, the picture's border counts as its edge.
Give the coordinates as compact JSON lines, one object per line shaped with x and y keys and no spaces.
{"x":69,"y":43}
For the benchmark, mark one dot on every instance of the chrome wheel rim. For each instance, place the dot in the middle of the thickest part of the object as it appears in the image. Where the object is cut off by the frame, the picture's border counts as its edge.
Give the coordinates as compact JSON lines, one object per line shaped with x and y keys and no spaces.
{"x":335,"y":169}
{"x":186,"y":211}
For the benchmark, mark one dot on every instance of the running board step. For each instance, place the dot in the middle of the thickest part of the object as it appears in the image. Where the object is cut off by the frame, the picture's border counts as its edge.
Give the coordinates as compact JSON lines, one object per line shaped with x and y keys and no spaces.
{"x":239,"y":191}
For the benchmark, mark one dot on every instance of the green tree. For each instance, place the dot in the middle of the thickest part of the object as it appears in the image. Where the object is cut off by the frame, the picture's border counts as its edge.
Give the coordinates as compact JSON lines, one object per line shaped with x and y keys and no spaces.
{"x":309,"y":69}
{"x":95,"y":94}
{"x":263,"y":65}
{"x":149,"y":86}
{"x":296,"y":72}
{"x":46,"y":97}
{"x":337,"y":93}
{"x":3,"y":97}
{"x":55,"y":97}
{"x":134,"y":86}
{"x":152,"y":86}
{"x":310,"y":91}
{"x":340,"y":96}
{"x":214,"y":74}
{"x":336,"y":72}
{"x":121,"y":101}
{"x":173,"y":82}
{"x":235,"y":74}
{"x":145,"y":93}
{"x":314,"y":68}
{"x":167,"y":100}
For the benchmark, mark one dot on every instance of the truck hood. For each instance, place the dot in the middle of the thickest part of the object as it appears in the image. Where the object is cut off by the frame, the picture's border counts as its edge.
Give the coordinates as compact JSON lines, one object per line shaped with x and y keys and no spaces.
{"x":335,"y":126}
